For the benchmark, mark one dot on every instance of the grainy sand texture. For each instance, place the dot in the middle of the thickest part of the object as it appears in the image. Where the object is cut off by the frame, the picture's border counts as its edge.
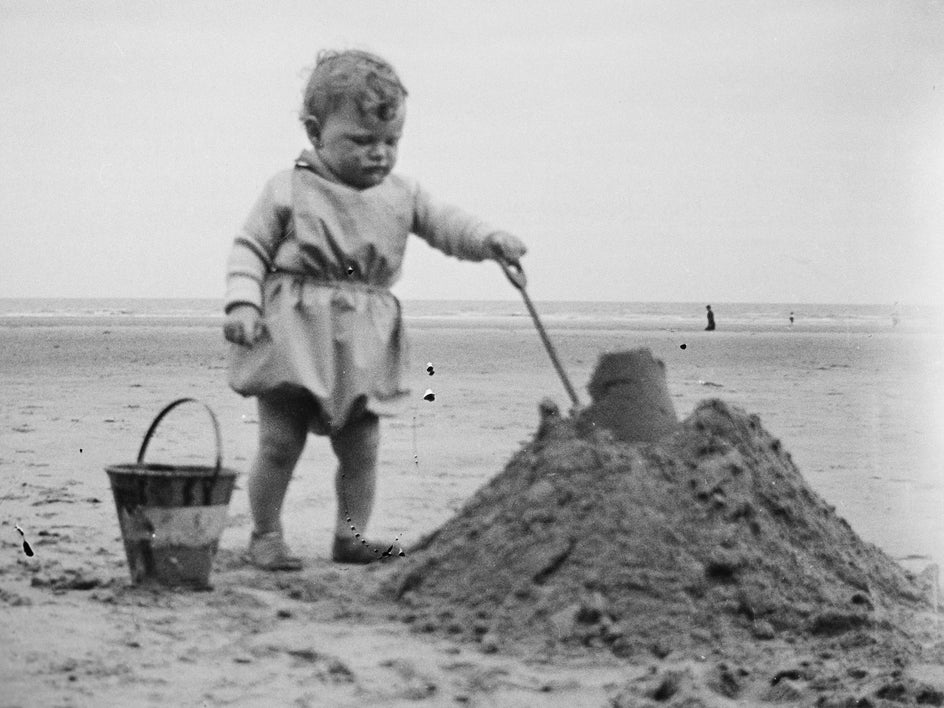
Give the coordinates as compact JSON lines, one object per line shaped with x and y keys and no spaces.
{"x":778,"y":549}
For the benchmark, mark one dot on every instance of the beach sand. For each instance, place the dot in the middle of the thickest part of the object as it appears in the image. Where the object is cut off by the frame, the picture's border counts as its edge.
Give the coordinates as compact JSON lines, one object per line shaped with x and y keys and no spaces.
{"x":860,"y":412}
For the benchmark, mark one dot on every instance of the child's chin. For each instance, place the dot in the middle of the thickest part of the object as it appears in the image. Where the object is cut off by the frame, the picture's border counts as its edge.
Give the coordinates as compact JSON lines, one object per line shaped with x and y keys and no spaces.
{"x":373,"y":180}
{"x":369,"y":178}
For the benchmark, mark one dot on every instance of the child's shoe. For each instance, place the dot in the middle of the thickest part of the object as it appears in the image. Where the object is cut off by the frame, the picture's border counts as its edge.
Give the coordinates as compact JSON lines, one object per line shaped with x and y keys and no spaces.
{"x":269,"y":551}
{"x":353,"y":550}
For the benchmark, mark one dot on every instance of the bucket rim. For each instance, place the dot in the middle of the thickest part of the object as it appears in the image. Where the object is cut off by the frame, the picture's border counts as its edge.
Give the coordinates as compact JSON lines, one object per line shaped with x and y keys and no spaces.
{"x":157,"y":469}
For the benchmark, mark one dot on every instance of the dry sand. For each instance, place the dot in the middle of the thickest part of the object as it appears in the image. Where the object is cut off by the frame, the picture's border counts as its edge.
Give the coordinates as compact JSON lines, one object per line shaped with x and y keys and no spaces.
{"x":858,"y":412}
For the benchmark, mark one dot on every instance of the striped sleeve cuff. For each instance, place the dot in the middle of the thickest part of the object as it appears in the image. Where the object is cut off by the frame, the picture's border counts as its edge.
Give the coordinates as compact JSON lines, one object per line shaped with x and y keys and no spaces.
{"x":242,"y":289}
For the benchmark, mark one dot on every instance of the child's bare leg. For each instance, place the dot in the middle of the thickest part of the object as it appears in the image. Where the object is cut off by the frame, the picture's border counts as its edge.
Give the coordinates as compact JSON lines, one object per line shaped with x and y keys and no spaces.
{"x":283,"y":429}
{"x":356,"y":447}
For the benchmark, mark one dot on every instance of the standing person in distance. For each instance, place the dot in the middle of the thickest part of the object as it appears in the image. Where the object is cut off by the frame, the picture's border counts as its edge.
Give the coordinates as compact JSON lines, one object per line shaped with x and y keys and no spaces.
{"x":711,"y":319}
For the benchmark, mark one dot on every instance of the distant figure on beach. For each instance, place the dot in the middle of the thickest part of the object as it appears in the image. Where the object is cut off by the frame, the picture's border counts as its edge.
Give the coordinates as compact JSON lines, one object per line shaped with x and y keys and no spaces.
{"x":791,"y":318}
{"x":711,"y":319}
{"x":317,"y":336}
{"x":895,"y":315}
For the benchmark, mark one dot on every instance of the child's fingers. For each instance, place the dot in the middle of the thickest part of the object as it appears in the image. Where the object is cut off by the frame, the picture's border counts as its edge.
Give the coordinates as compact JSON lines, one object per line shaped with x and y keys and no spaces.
{"x":507,"y":246}
{"x":518,"y":249}
{"x":511,"y":252}
{"x":259,"y":331}
{"x":233,"y":332}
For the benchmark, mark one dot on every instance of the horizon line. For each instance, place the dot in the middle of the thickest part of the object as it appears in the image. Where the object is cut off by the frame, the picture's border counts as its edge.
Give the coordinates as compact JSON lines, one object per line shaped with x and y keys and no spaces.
{"x":902,"y":303}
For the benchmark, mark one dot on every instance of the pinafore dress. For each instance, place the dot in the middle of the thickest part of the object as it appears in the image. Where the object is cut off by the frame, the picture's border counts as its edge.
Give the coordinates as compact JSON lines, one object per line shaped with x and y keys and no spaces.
{"x":335,"y":331}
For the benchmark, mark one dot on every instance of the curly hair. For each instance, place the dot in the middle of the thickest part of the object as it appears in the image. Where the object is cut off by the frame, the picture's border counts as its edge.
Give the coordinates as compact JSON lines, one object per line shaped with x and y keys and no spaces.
{"x":352,"y":74}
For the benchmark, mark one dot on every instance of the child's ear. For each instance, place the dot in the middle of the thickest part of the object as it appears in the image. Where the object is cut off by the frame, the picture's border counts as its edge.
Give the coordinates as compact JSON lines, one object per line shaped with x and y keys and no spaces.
{"x":313,"y":128}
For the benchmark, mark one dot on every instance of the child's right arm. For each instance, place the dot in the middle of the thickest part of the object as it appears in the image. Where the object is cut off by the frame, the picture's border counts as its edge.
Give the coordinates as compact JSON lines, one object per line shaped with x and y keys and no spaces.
{"x":251,"y":258}
{"x":244,"y":325}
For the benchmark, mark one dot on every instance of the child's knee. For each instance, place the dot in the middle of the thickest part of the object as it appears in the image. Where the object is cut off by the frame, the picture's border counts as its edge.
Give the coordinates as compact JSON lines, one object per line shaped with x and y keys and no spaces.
{"x":281,"y":446}
{"x":279,"y":452}
{"x":359,"y":438}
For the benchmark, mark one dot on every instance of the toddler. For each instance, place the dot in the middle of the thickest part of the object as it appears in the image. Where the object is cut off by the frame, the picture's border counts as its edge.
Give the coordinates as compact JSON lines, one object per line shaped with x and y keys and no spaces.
{"x":317,"y":337}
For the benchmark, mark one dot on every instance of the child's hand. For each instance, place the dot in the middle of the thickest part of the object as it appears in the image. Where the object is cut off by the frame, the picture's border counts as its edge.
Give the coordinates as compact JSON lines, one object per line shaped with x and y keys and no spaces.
{"x":506,"y":246}
{"x":244,"y":325}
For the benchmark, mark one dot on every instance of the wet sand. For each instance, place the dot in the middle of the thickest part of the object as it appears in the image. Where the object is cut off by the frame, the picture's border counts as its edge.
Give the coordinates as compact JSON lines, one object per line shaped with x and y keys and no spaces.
{"x":860,"y":412}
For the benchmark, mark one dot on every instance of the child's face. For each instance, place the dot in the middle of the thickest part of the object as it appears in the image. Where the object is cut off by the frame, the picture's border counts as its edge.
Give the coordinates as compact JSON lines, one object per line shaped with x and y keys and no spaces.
{"x":360,"y":150}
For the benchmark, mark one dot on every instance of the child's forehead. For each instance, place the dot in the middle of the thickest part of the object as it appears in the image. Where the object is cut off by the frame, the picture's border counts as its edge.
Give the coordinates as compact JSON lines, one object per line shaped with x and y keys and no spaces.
{"x":351,"y":112}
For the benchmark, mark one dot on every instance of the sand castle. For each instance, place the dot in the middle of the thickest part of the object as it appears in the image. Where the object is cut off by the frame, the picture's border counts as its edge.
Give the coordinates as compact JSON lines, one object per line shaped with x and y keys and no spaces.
{"x":702,"y":539}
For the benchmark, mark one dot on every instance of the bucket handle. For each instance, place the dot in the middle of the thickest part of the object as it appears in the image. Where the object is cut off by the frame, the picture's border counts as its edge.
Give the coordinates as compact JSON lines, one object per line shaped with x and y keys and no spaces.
{"x":168,"y":409}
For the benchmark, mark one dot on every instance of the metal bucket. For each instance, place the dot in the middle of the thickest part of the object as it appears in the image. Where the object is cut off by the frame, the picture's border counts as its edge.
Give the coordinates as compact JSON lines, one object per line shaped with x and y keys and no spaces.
{"x":172,"y":516}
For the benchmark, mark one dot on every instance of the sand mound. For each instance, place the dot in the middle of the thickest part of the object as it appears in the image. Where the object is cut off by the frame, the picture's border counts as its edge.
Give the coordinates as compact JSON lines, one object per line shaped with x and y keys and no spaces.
{"x":708,"y":537}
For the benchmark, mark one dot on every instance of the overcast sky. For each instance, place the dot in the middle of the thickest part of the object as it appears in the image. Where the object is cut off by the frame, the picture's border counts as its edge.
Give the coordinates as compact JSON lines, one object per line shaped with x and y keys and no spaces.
{"x":657,"y":151}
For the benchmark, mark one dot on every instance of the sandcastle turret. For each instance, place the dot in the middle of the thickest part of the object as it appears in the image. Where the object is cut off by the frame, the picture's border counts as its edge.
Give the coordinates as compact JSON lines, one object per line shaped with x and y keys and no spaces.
{"x":630,"y":397}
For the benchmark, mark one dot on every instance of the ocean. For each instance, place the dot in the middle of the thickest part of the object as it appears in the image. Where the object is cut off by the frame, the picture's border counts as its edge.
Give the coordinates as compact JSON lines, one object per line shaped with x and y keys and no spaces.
{"x":736,"y":317}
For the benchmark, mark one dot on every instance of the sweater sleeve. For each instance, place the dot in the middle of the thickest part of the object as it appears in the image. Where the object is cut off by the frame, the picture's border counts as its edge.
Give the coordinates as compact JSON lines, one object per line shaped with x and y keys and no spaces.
{"x":254,"y":247}
{"x":449,"y":229}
